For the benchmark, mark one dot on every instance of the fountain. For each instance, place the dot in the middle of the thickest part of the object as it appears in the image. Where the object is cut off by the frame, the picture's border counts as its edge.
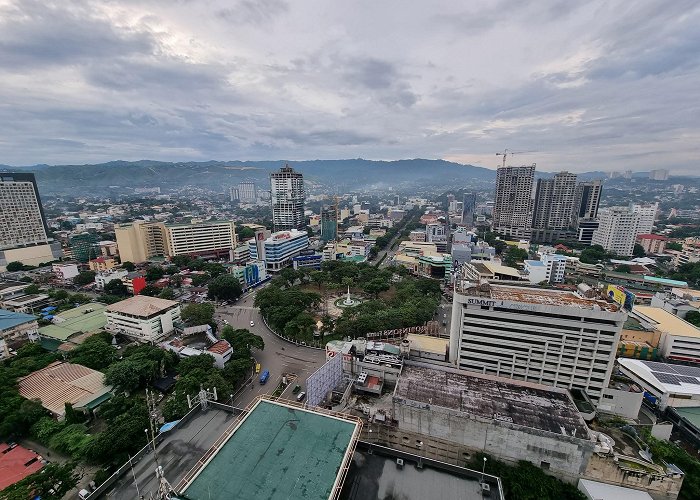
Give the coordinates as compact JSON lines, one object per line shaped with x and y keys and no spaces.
{"x":348,"y":301}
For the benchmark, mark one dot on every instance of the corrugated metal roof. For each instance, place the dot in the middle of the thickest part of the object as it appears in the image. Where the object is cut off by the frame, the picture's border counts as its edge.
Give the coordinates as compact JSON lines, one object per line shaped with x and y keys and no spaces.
{"x":9,"y":319}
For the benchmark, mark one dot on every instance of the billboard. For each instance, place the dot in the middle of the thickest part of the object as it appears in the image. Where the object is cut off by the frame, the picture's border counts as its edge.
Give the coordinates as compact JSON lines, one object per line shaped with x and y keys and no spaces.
{"x":618,"y":294}
{"x":323,"y":380}
{"x":251,"y":274}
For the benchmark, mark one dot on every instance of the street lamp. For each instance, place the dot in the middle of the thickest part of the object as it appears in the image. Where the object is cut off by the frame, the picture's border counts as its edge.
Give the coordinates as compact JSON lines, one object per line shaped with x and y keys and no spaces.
{"x":420,"y":454}
{"x":370,"y":442}
{"x":483,"y":470}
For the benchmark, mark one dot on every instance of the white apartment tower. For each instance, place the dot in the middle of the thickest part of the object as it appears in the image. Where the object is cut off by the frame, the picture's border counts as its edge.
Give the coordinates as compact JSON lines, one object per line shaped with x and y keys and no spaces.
{"x":617,"y":230}
{"x":647,"y":216}
{"x":287,"y":198}
{"x":22,"y":220}
{"x":548,"y":337}
{"x":512,"y":211}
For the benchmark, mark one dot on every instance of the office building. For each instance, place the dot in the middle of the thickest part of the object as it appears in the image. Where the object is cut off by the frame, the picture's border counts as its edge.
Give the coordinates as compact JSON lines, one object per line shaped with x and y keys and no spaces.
{"x":468,"y":209}
{"x":279,"y":248}
{"x":512,"y":211}
{"x":287,"y":198}
{"x":588,"y":199}
{"x":647,"y":215}
{"x":585,"y":229}
{"x":141,"y":241}
{"x":617,"y":230}
{"x":23,"y":232}
{"x":143,"y":318}
{"x":554,"y":207}
{"x":329,"y":224}
{"x":545,"y":336}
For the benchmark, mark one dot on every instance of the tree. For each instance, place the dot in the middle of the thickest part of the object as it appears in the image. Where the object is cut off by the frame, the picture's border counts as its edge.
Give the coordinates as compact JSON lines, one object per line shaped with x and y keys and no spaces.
{"x":242,"y":340}
{"x":79,"y":298}
{"x":129,"y":266}
{"x":150,"y":290}
{"x":375,"y":286}
{"x":96,"y":353}
{"x":60,"y":295}
{"x":32,"y":289}
{"x":674,"y":245}
{"x":14,"y":266}
{"x":514,"y":255}
{"x":84,"y":277}
{"x":215,"y":269}
{"x":244,"y":232}
{"x":116,"y":287}
{"x":52,"y":482}
{"x":318,"y":277}
{"x":154,"y":273}
{"x":623,"y":268}
{"x":225,"y":287}
{"x":693,"y":317}
{"x":167,"y":293}
{"x":198,"y":314}
{"x":124,"y":376}
{"x":289,"y":275}
{"x":200,"y":279}
{"x":638,"y":251}
{"x":176,"y":280}
{"x":593,"y":254}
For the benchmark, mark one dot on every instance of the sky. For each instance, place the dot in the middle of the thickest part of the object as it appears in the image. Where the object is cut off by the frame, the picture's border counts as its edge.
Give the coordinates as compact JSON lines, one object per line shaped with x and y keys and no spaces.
{"x":576,"y":85}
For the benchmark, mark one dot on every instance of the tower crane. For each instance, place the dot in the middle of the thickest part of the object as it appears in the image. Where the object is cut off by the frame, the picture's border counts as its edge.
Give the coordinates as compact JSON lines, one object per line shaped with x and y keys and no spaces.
{"x":505,"y":153}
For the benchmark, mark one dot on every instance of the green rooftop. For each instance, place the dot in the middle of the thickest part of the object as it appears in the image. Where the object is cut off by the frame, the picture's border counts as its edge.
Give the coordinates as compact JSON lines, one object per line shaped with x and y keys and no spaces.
{"x":277,"y":452}
{"x":691,"y":413}
{"x":77,"y":320}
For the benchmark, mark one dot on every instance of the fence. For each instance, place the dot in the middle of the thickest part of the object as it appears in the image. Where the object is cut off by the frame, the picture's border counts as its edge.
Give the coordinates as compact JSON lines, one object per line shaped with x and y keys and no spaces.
{"x":311,"y":345}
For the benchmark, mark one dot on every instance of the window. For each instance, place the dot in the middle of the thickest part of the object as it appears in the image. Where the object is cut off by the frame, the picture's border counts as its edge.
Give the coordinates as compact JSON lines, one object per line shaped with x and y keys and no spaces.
{"x":544,"y":465}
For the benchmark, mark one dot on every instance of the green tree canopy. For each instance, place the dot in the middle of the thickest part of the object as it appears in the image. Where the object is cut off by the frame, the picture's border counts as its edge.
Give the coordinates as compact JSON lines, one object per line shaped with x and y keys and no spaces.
{"x":52,"y":482}
{"x":198,"y":314}
{"x":150,"y":290}
{"x":129,"y":266}
{"x":14,"y":266}
{"x":116,"y":287}
{"x":96,"y":353}
{"x":84,"y":277}
{"x":225,"y":287}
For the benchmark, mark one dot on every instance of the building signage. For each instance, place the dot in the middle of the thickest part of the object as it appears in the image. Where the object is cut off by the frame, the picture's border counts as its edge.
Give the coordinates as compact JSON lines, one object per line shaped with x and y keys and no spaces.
{"x":251,"y":274}
{"x":481,"y":302}
{"x":621,"y":296}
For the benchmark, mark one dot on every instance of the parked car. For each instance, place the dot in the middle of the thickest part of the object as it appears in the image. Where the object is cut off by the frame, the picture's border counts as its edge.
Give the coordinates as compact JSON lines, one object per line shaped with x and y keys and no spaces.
{"x":252,"y":323}
{"x":301,"y":396}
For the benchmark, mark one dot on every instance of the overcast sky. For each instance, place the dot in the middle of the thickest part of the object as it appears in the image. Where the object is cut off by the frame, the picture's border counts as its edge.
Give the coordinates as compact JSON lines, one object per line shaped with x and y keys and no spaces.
{"x":602,"y":86}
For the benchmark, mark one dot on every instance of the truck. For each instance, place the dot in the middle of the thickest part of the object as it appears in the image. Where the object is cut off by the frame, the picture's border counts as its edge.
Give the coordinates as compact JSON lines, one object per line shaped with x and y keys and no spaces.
{"x":264,"y":376}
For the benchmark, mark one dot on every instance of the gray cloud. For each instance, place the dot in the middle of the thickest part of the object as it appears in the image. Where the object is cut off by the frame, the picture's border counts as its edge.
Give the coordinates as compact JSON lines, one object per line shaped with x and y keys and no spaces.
{"x":595,"y":85}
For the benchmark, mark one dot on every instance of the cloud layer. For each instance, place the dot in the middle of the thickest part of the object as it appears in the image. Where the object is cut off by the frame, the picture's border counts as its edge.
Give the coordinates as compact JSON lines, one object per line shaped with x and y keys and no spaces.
{"x":592,"y":86}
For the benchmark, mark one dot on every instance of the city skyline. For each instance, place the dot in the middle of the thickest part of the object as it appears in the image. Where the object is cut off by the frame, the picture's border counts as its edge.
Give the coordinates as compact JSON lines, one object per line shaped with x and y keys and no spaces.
{"x":598,"y":86}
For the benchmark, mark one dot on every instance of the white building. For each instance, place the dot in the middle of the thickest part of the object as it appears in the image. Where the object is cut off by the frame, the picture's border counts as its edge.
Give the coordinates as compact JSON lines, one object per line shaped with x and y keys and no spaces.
{"x":279,"y":248}
{"x":680,"y":340}
{"x":671,"y":385}
{"x":647,"y":216}
{"x":660,"y":174}
{"x":203,"y":238}
{"x":512,"y":210}
{"x":287,"y":198}
{"x":549,"y":268}
{"x":65,"y":272}
{"x":545,"y":336}
{"x":617,"y":230}
{"x":104,"y":277}
{"x":143,"y":318}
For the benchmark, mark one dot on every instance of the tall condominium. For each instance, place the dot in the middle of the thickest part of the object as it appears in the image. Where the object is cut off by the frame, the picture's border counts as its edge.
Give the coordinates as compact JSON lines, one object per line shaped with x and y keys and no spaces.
{"x":140,"y":241}
{"x":512,"y":210}
{"x":588,"y":199}
{"x":245,"y":192}
{"x":468,"y":209}
{"x":617,"y":230}
{"x":329,"y":223}
{"x":545,"y":336}
{"x":554,"y":206}
{"x":647,"y":216}
{"x":22,"y":220}
{"x":23,"y":232}
{"x":287,"y":198}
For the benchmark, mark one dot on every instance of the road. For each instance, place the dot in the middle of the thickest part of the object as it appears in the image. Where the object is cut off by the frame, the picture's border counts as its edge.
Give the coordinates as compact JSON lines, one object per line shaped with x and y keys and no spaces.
{"x":279,"y":357}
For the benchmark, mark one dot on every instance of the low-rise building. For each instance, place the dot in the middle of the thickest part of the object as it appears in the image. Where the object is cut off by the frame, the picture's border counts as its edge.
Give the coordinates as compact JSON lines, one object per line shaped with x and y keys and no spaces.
{"x":143,"y":318}
{"x":16,"y":329}
{"x":26,"y":303}
{"x":251,"y":274}
{"x":310,"y":261}
{"x":199,"y":340}
{"x":104,"y":277}
{"x":277,"y":250}
{"x":65,"y":272}
{"x":135,"y":281}
{"x":102,"y":264}
{"x":664,"y":384}
{"x":652,"y":243}
{"x":680,"y":340}
{"x":10,"y":289}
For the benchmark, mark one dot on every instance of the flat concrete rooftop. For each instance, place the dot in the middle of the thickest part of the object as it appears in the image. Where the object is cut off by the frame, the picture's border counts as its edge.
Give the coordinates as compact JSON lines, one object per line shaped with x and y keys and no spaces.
{"x":520,"y":403}
{"x":278,"y":451}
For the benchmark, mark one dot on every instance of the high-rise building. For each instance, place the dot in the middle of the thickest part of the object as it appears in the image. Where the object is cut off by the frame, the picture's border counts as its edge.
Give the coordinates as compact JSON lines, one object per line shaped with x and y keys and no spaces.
{"x":588,"y":199}
{"x":545,"y":336}
{"x":139,"y":241}
{"x":85,"y":246}
{"x":468,"y":209}
{"x":23,"y":232}
{"x":512,"y":211}
{"x":247,"y":193}
{"x":329,"y":223}
{"x":287,"y":198}
{"x":647,"y":216}
{"x":554,"y":206}
{"x":21,"y":214}
{"x":617,"y":230}
{"x":660,"y":174}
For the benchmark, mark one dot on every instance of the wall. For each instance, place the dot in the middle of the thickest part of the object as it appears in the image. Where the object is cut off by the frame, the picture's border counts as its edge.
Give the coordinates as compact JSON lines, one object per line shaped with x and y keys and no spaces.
{"x":567,"y":456}
{"x":606,"y":470}
{"x":619,"y":402}
{"x":30,"y":256}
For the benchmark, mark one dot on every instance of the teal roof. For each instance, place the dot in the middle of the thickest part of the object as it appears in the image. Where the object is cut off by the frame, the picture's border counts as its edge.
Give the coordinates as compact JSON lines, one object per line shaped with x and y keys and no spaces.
{"x":91,"y":405}
{"x":691,"y":414}
{"x":9,"y":319}
{"x":278,"y":452}
{"x":665,"y":281}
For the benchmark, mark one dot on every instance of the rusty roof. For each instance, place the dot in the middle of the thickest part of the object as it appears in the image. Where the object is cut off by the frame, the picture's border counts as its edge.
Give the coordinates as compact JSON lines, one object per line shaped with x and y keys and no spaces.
{"x":543,"y":296}
{"x":521,"y":403}
{"x":142,"y":306}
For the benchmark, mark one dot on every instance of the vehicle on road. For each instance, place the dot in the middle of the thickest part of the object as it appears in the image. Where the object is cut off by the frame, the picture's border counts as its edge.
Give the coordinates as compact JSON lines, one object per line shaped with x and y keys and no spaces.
{"x":252,"y":323}
{"x":301,"y":396}
{"x":257,"y":367}
{"x":264,"y":376}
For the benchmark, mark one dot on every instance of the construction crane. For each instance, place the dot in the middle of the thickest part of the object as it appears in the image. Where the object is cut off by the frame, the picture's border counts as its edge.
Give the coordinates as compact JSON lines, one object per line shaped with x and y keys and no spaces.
{"x":505,"y":153}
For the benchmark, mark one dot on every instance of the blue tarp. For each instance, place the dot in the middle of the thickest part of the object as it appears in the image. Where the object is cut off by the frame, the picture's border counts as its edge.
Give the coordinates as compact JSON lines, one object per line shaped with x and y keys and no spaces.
{"x":48,"y":317}
{"x":49,"y":308}
{"x":168,"y":426}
